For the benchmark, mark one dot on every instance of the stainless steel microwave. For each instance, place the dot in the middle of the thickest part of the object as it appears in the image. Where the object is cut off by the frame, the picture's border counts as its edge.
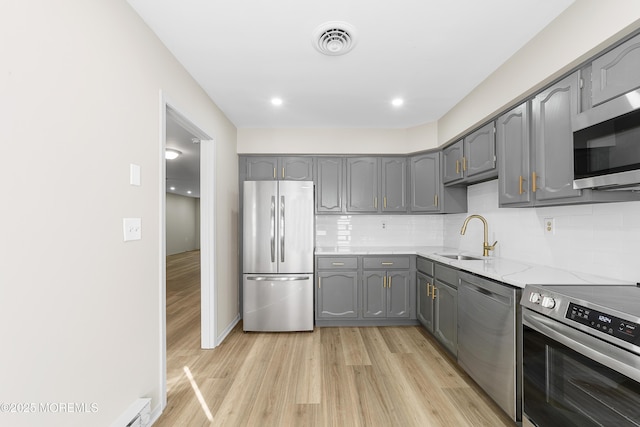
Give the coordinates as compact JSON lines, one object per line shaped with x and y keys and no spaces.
{"x":606,"y":145}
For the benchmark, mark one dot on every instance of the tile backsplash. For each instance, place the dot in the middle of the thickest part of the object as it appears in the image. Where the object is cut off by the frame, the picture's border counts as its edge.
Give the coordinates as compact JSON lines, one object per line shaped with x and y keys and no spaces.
{"x":600,"y":239}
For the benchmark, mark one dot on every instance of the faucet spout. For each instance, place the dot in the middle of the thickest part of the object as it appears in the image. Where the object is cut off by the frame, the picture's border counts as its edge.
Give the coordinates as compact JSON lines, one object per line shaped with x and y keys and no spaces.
{"x":486,"y":247}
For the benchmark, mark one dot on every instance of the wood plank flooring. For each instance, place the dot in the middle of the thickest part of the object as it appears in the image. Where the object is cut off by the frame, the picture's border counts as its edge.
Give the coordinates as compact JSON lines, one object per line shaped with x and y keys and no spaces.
{"x":391,"y":376}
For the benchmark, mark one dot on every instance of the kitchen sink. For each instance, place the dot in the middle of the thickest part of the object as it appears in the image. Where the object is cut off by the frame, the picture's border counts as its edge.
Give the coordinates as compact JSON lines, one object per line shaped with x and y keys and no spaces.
{"x":462,"y":257}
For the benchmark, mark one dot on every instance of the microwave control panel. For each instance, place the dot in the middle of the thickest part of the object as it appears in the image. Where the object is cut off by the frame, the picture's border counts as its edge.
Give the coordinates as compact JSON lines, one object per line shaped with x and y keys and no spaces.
{"x":611,"y":325}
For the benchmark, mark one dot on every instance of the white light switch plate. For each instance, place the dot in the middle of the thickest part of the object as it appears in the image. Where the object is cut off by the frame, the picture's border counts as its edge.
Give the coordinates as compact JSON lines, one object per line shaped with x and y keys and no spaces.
{"x":134,"y":174}
{"x":132,"y":228}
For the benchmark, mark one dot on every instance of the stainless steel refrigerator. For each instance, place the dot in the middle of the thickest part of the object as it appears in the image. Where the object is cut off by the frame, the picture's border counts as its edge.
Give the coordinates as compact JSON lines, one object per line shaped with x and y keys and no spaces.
{"x":278,"y":245}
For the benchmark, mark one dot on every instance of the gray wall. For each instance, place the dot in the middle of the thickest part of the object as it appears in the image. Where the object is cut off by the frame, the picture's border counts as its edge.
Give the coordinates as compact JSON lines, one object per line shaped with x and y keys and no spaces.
{"x":183,"y":224}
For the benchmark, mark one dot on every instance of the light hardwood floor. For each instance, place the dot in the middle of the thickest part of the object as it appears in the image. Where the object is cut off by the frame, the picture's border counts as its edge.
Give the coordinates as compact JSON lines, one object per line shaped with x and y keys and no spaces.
{"x":391,"y":376}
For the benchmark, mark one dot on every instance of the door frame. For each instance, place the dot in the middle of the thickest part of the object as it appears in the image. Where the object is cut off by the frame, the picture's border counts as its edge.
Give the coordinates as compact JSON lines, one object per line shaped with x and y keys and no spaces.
{"x":208,"y":292}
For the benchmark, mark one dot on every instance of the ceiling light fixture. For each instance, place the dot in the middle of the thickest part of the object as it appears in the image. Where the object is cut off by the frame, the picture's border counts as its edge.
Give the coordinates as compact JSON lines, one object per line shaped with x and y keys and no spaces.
{"x":171,"y":154}
{"x":397,"y":102}
{"x":276,"y":101}
{"x":334,"y":38}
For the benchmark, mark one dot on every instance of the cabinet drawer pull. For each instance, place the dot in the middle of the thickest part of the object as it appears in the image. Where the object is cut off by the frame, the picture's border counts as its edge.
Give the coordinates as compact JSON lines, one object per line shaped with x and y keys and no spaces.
{"x":386,"y":263}
{"x":337,"y":263}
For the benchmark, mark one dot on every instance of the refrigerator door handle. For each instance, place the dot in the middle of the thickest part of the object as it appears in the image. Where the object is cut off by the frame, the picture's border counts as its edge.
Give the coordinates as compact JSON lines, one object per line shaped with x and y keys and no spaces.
{"x":277,"y":278}
{"x":281,"y":228}
{"x":273,"y":228}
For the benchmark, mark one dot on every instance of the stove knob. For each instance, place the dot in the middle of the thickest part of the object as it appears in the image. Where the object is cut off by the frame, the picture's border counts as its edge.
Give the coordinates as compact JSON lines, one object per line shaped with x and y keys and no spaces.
{"x":548,"y":302}
{"x":535,"y":298}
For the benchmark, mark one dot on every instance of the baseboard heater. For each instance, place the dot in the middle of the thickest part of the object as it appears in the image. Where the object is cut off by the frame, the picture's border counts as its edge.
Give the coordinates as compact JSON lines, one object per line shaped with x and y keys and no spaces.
{"x":137,"y":415}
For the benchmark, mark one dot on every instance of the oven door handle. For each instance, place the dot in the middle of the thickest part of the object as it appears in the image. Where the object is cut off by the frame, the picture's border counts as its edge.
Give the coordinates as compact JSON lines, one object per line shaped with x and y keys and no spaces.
{"x":593,"y":348}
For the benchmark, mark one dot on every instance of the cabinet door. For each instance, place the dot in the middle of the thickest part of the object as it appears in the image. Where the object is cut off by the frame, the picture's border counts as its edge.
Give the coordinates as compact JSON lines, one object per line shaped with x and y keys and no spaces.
{"x":261,"y":168}
{"x":362,"y":184}
{"x":394,"y":184}
{"x":512,"y":135}
{"x":553,"y":140}
{"x":616,"y":72}
{"x":374,"y":294}
{"x":479,"y":152}
{"x":328,"y":184}
{"x":398,"y":294}
{"x":425,"y":183}
{"x":424,"y":303}
{"x":452,"y":163}
{"x":296,"y":168}
{"x":446,"y":316}
{"x":337,"y":294}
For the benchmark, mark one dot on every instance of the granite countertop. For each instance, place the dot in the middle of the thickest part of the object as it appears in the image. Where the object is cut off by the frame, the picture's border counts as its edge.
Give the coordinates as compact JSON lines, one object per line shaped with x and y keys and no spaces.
{"x":513,"y":272}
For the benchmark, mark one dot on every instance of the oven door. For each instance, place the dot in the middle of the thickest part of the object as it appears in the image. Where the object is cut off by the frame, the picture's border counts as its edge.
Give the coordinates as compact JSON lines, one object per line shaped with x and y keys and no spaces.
{"x":573,"y":379}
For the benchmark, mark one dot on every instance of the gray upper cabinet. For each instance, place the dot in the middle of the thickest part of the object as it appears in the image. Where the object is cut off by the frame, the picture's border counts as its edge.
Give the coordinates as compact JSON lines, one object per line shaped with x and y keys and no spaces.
{"x":394,"y":184}
{"x":512,"y":140}
{"x":452,"y":163}
{"x":362,"y":184}
{"x":471,"y":159}
{"x":329,"y":184}
{"x":425,"y":183}
{"x":552,"y":135}
{"x":479,"y":160}
{"x":616,"y":72}
{"x":272,"y":168}
{"x":261,"y":168}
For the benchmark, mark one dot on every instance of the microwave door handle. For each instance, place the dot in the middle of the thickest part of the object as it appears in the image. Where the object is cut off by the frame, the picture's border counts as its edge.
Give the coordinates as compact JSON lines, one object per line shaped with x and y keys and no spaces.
{"x":282,"y":228}
{"x":273,"y":228}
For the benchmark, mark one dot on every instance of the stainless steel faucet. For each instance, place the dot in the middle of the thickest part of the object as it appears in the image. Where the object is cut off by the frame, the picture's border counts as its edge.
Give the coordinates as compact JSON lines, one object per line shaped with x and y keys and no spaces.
{"x":486,"y":247}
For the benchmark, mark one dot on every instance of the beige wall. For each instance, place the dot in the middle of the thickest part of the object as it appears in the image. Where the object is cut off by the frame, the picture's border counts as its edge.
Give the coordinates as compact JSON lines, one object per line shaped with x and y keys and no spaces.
{"x":584,"y":29}
{"x":80,"y":85}
{"x":183,"y":228}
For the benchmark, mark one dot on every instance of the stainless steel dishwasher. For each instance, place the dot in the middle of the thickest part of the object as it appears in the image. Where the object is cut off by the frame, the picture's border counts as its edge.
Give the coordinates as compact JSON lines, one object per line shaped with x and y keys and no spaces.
{"x":489,"y":341}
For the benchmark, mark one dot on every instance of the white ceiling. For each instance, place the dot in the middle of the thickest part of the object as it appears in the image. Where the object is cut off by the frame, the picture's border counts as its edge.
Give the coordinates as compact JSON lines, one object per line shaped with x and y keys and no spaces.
{"x":431,"y":53}
{"x":183,"y":173}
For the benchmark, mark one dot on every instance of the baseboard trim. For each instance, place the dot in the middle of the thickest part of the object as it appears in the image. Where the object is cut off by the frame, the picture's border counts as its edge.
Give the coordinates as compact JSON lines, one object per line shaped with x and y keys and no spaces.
{"x":227,"y":330}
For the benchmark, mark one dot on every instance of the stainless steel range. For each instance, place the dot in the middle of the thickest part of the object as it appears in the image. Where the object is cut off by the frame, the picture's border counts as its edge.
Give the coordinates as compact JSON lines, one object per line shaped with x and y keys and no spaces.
{"x":581,"y":355}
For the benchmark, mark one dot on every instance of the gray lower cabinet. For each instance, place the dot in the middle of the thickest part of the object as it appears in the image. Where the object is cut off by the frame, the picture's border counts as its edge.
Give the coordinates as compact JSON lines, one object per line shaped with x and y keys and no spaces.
{"x":337,"y":287}
{"x":444,"y":294}
{"x":329,"y":184}
{"x":386,"y":294}
{"x":616,"y":72}
{"x":365,"y":290}
{"x":424,"y":282}
{"x":270,"y":168}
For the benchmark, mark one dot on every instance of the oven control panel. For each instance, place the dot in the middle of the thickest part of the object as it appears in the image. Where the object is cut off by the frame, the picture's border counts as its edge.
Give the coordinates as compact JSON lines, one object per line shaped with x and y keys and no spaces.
{"x":619,"y":328}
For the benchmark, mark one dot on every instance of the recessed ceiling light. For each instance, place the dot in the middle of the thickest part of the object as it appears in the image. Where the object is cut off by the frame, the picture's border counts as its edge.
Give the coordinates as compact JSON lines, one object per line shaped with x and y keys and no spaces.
{"x":397,"y":102}
{"x":276,"y":101}
{"x":172,"y":188}
{"x":189,"y":192}
{"x":171,"y":154}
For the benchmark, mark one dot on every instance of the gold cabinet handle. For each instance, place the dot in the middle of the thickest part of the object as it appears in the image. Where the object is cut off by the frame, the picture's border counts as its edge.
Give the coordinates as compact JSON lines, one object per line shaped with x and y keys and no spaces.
{"x":375,"y":203}
{"x":457,"y":167}
{"x":433,"y":292}
{"x":464,"y":163}
{"x":533,"y":184}
{"x":389,"y":282}
{"x":385,"y":202}
{"x":520,"y":184}
{"x":319,"y":282}
{"x":435,"y":200}
{"x":384,"y":281}
{"x":274,"y":173}
{"x":337,"y":263}
{"x":428,"y":289}
{"x":386,"y":263}
{"x":283,"y":173}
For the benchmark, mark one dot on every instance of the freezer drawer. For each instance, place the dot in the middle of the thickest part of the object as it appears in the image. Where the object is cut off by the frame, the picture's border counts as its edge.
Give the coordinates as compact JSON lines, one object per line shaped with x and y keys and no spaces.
{"x":278,"y":303}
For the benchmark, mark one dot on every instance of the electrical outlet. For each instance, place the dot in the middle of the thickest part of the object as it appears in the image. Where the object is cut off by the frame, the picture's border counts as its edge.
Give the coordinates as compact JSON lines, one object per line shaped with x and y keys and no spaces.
{"x":549,"y":226}
{"x":132,"y":228}
{"x":384,"y":225}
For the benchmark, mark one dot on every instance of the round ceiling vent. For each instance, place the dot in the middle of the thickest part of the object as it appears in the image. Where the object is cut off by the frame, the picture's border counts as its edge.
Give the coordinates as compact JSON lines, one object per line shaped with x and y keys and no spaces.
{"x":334,"y":38}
